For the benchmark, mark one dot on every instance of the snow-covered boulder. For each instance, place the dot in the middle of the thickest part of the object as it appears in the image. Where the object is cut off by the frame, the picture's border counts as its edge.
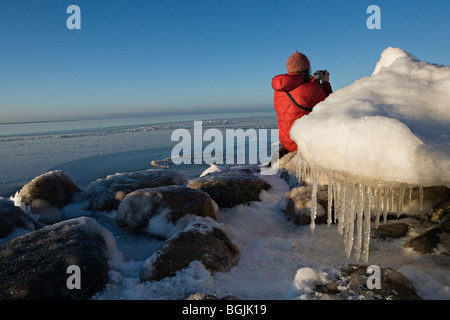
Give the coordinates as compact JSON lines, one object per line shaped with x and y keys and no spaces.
{"x":198,"y":242}
{"x":106,"y":194}
{"x":140,"y":208}
{"x":56,"y":188}
{"x":349,"y":282}
{"x":34,"y":266}
{"x":231,"y":188}
{"x":13,"y":217}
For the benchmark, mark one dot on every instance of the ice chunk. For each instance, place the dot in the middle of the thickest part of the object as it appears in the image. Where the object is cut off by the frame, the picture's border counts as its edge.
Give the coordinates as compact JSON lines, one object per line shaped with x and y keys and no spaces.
{"x":375,"y":139}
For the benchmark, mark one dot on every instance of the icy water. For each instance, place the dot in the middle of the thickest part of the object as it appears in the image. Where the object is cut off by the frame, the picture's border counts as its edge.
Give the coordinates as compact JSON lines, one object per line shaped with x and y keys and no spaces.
{"x":92,"y":149}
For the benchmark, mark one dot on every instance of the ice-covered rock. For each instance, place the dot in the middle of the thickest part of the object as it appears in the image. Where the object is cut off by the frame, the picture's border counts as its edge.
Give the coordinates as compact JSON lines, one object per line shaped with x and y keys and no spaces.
{"x":297,"y":205}
{"x":55,"y":187}
{"x":390,"y":230}
{"x":198,"y":242}
{"x":349,"y":282}
{"x":231,"y":188}
{"x":140,"y":208}
{"x":12,"y":217}
{"x":106,"y":194}
{"x":34,"y":266}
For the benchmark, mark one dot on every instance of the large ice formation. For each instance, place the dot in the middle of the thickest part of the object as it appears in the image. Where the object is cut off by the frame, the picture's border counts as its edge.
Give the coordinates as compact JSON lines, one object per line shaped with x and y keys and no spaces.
{"x":381,"y":136}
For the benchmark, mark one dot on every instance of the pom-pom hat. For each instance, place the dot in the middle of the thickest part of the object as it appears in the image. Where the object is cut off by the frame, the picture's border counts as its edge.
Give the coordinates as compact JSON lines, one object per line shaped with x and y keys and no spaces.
{"x":297,"y":62}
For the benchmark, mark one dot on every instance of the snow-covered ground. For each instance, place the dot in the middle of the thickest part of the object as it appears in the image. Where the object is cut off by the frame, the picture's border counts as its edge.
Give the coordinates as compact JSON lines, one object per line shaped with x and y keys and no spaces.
{"x":272,"y":250}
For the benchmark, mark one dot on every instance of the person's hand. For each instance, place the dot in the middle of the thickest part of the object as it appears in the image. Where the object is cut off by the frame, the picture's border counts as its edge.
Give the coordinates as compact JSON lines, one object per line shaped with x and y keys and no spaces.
{"x":325,"y":76}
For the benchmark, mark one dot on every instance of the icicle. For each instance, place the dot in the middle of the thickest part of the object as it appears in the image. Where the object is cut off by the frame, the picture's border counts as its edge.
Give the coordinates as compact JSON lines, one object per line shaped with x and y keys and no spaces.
{"x":336,"y":191}
{"x":330,"y":198}
{"x":350,"y":219}
{"x":421,"y":198}
{"x":359,"y":225}
{"x":314,"y":199}
{"x":304,"y":170}
{"x":410,"y":197}
{"x":391,"y":200}
{"x":377,"y":207}
{"x":401,"y":195}
{"x":367,"y":226}
{"x":385,"y":204}
{"x":341,"y":213}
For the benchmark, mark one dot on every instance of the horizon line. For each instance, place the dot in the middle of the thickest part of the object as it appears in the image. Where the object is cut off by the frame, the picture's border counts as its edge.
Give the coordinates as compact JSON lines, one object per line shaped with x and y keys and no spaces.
{"x":139,"y":114}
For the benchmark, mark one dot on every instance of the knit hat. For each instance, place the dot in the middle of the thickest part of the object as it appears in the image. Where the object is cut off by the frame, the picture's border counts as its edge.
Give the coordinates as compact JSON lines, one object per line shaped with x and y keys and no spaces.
{"x":297,"y":62}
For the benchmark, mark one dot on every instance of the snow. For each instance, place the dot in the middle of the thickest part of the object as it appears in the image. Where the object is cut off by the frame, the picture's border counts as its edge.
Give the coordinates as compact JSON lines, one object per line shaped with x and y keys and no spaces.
{"x":389,"y":129}
{"x":279,"y":260}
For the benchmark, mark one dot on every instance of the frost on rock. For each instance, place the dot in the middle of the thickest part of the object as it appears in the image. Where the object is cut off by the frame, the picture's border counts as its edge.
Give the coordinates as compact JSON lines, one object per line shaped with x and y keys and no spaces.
{"x":379,"y":141}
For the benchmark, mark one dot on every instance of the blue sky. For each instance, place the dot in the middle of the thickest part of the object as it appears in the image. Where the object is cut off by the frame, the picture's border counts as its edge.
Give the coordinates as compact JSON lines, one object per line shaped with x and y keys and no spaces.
{"x":142,"y":56}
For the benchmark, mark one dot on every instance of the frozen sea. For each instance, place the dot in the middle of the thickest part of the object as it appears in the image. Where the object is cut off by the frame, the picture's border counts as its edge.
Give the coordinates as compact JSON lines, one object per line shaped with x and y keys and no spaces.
{"x":92,"y":149}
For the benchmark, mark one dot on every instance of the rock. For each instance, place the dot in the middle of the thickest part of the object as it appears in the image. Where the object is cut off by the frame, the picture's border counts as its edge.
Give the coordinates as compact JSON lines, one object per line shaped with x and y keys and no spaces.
{"x":12,"y":217}
{"x":138,"y":207}
{"x":297,"y":205}
{"x":106,"y":194}
{"x":425,"y":242}
{"x":436,"y":239}
{"x":350,"y":283}
{"x":47,"y":212}
{"x":390,"y":230}
{"x":34,"y":266}
{"x":231,"y":188}
{"x":199,"y":242}
{"x":440,"y":213}
{"x":55,"y":187}
{"x":202,"y":296}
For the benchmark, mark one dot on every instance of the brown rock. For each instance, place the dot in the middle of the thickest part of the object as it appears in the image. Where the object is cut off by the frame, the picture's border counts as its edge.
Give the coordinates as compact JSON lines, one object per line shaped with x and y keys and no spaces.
{"x":391,"y":230}
{"x":34,"y":266}
{"x":297,"y":205}
{"x":12,"y":217}
{"x":231,"y":188}
{"x":351,"y":283}
{"x":56,"y":187}
{"x":106,"y":194}
{"x":209,"y":245}
{"x":138,"y":207}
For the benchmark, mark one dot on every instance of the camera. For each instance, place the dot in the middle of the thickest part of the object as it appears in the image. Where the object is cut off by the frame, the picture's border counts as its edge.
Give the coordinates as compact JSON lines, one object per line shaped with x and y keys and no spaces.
{"x":318,"y":74}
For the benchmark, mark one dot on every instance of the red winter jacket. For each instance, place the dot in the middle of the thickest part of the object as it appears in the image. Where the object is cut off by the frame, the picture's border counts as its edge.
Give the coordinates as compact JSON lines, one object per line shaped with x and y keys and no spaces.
{"x":306,"y":94}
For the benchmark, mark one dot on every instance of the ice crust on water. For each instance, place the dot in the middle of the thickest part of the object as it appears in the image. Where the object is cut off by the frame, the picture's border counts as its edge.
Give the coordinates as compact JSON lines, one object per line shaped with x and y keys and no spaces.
{"x":377,"y":140}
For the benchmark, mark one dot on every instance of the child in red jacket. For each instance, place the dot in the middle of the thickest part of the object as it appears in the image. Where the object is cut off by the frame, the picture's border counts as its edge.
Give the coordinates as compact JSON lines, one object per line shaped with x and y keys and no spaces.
{"x":296,"y":94}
